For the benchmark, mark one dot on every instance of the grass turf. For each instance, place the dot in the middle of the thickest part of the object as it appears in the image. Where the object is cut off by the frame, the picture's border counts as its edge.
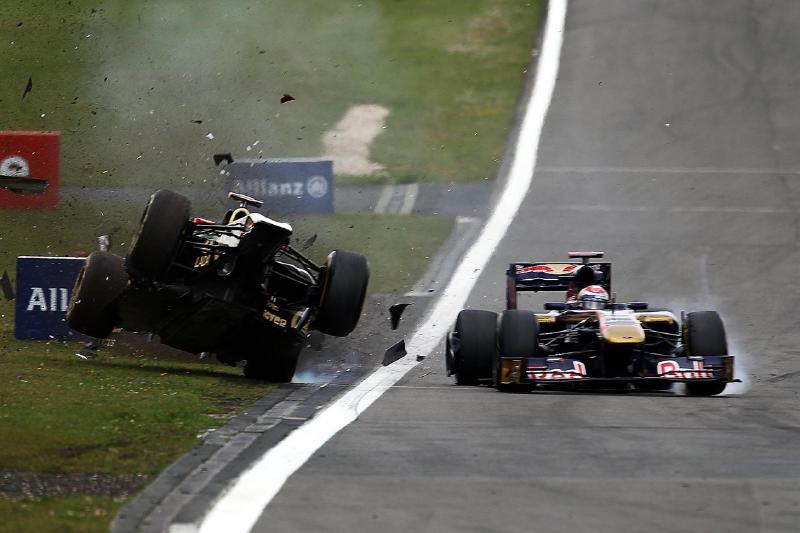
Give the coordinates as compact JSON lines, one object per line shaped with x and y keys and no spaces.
{"x":115,"y":414}
{"x":75,"y":513}
{"x":137,"y":86}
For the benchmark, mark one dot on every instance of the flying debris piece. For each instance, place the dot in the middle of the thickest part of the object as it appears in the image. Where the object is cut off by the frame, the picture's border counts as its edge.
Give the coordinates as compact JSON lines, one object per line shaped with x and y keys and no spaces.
{"x":223,"y":158}
{"x":286,"y":98}
{"x":28,"y":87}
{"x":89,"y":351}
{"x":308,"y":242}
{"x":394,"y":353}
{"x":104,"y":243}
{"x":395,"y":312}
{"x":5,"y":286}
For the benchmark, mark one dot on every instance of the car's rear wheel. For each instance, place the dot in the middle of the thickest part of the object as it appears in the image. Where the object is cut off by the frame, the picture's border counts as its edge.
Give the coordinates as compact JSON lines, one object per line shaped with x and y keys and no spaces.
{"x":518,"y":337}
{"x":278,"y":364}
{"x":704,"y":335}
{"x":92,"y":307}
{"x":344,"y":287}
{"x":476,"y":332}
{"x":156,"y":239}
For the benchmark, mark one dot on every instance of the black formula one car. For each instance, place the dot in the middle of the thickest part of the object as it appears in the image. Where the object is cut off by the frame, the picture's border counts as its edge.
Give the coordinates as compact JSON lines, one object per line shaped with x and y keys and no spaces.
{"x":587,"y":341}
{"x":235,"y":288}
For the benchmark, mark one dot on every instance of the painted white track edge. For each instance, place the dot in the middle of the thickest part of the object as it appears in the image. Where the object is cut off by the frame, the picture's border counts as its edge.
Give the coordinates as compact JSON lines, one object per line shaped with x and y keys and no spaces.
{"x":239,"y":508}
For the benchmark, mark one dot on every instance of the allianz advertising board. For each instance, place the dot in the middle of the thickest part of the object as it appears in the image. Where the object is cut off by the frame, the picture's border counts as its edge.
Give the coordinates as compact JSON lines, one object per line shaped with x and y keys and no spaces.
{"x":287,"y":186}
{"x":44,"y":286}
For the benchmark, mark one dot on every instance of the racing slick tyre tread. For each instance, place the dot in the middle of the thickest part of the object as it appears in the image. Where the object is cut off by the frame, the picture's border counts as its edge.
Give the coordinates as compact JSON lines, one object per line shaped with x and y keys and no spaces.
{"x":156,"y":239}
{"x":704,"y":336}
{"x":477,"y":334}
{"x":278,"y":365}
{"x":518,"y":337}
{"x":92,"y":308}
{"x":344,"y":289}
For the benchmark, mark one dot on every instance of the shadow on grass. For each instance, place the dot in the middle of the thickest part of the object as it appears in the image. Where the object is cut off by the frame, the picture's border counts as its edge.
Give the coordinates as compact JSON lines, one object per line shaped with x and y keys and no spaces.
{"x":172,"y":370}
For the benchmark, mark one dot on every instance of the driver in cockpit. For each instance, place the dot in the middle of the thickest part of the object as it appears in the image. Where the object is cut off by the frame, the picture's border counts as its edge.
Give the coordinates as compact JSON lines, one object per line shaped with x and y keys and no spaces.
{"x":583,"y":277}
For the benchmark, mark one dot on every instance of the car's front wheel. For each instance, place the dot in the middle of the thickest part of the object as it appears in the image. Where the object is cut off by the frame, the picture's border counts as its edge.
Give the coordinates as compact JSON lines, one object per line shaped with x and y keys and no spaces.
{"x":518,"y":337}
{"x":92,"y":307}
{"x":476,"y":337}
{"x":344,"y":287}
{"x":704,"y":335}
{"x":156,"y":239}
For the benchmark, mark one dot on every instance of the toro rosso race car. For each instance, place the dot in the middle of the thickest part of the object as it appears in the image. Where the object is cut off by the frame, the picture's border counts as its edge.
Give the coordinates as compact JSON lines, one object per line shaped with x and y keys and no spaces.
{"x":235,"y":288}
{"x":588,"y":340}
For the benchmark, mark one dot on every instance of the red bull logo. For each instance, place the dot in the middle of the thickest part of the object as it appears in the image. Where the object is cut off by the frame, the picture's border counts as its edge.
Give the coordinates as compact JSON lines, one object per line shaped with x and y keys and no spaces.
{"x":534,"y":268}
{"x":671,"y":369}
{"x":578,"y":371}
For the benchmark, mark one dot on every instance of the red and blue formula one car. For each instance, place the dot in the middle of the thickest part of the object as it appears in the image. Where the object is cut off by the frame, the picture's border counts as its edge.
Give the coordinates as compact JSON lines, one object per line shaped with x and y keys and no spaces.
{"x":588,"y":340}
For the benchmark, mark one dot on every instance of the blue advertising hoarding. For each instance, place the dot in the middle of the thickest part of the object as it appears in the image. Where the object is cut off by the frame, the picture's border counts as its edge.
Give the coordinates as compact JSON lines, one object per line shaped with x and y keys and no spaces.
{"x":287,"y":186}
{"x":44,"y":286}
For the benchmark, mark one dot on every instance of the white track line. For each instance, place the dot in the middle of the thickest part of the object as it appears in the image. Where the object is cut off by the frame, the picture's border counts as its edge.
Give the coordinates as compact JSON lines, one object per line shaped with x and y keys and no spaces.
{"x":239,"y":508}
{"x":384,"y":199}
{"x":412,"y":191}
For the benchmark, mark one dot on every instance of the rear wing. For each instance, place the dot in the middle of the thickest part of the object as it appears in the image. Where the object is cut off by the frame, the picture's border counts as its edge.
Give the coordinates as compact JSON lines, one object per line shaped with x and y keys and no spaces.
{"x":535,"y":277}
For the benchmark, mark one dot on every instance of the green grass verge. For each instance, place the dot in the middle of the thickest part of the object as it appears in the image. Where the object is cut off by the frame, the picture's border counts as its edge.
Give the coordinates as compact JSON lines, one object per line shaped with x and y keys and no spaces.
{"x":116,"y":414}
{"x":76,"y":513}
{"x":136,"y":86}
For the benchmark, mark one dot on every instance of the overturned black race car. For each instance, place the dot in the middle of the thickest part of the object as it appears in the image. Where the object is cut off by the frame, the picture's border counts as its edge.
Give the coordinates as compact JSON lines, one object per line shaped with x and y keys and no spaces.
{"x":588,"y":340}
{"x":234,"y":288}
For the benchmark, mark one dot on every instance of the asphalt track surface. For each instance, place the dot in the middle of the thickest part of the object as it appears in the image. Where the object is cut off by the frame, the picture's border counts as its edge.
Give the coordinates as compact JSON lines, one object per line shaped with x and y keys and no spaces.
{"x":672,"y":144}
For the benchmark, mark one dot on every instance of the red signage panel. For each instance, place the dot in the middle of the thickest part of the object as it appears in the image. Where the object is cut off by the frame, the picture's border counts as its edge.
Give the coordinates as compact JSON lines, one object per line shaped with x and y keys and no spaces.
{"x":29,"y":169}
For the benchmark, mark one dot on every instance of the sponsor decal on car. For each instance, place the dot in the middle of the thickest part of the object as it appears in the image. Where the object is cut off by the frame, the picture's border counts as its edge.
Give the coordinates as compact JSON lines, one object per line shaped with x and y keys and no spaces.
{"x":578,"y":371}
{"x":534,"y":268}
{"x":671,"y":369}
{"x":275,"y":319}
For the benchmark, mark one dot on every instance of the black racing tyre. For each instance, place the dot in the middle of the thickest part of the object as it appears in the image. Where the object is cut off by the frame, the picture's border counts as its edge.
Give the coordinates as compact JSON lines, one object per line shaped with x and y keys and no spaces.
{"x":708,"y":388}
{"x":344,"y":287}
{"x":518,"y":336}
{"x":477,"y":345}
{"x":278,"y":364}
{"x":704,"y":335}
{"x":519,"y":333}
{"x":92,"y":307}
{"x":156,"y":239}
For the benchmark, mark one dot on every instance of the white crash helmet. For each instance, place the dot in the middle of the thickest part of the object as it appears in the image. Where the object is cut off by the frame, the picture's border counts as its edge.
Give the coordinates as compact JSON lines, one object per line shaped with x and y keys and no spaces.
{"x":593,"y":297}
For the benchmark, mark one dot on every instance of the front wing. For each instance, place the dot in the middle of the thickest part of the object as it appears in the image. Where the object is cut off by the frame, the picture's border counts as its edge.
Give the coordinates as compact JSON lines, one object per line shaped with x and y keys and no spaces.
{"x":552,"y":371}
